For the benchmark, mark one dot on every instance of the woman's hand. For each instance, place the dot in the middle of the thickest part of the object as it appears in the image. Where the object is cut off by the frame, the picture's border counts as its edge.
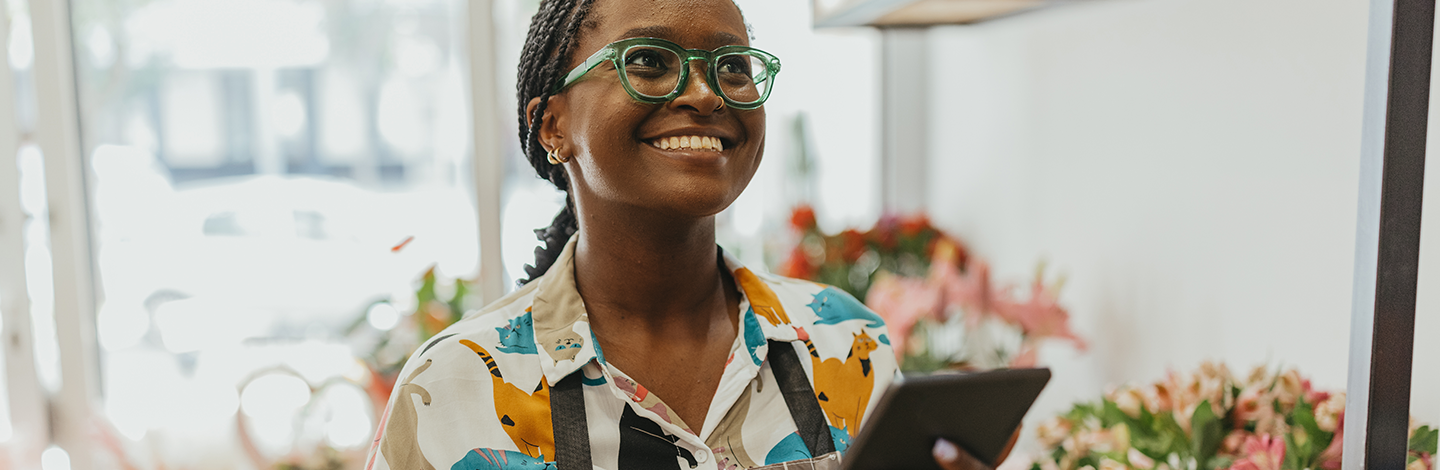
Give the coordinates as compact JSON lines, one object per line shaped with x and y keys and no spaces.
{"x":952,"y":457}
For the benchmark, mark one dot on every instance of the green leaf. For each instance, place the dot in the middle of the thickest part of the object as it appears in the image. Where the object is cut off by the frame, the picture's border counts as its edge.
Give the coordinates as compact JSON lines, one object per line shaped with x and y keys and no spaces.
{"x":1176,"y":441}
{"x":457,"y":301}
{"x":426,"y":292}
{"x":1205,"y":433}
{"x":1145,"y":425}
{"x":1303,"y":419}
{"x":1113,"y":415}
{"x":1426,"y":439}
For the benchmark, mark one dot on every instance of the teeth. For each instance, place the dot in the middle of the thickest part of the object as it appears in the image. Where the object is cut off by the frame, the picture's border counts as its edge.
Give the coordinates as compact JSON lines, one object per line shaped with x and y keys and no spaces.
{"x":689,"y":142}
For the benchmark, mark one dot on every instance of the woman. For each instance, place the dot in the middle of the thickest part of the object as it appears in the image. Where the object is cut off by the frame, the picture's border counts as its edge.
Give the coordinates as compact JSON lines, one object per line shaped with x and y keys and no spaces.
{"x":648,"y":114}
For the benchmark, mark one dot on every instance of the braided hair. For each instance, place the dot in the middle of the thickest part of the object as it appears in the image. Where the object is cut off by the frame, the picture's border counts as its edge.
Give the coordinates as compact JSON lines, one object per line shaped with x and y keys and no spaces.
{"x":547,"y":50}
{"x":552,"y":34}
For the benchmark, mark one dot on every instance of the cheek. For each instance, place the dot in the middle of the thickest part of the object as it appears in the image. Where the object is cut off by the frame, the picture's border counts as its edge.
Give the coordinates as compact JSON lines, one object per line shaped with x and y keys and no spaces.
{"x":607,"y":126}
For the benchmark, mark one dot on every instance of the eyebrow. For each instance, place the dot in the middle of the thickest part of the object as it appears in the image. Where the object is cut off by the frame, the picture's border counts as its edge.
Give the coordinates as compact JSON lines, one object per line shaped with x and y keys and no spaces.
{"x":664,"y":32}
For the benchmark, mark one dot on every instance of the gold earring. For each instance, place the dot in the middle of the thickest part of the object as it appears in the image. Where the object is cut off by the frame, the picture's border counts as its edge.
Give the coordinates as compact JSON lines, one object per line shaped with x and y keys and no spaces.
{"x":554,"y":157}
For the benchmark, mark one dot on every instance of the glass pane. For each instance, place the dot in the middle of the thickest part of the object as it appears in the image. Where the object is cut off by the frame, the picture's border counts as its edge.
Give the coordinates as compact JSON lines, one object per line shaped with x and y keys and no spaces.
{"x":264,"y":173}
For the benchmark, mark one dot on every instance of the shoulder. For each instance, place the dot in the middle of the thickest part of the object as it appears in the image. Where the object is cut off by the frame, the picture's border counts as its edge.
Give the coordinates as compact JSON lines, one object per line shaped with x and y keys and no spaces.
{"x":833,"y":320}
{"x":811,"y":303}
{"x":458,"y":376}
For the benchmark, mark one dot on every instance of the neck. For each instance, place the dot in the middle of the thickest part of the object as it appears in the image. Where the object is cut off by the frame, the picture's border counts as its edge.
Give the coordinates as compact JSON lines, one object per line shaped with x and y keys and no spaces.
{"x":649,"y":271}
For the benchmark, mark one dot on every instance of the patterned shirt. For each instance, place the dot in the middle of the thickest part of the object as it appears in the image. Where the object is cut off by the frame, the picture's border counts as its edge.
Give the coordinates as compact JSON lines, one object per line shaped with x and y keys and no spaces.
{"x":477,"y":396}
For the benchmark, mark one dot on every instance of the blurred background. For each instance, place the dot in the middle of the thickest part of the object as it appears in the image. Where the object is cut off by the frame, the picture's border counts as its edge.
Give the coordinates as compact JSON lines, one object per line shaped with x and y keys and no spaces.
{"x":227,"y":222}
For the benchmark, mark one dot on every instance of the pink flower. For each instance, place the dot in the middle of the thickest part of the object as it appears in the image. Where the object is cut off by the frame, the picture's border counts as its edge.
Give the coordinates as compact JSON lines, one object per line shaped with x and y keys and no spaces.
{"x":1139,"y":460}
{"x":901,"y":302}
{"x":1157,"y":398}
{"x":1039,"y":317}
{"x":970,"y":292}
{"x":1264,"y":452}
{"x":1129,"y":400}
{"x":1289,"y":387}
{"x":1329,"y":411}
{"x":1330,"y":458}
{"x":1250,"y":405}
{"x":1234,"y":442}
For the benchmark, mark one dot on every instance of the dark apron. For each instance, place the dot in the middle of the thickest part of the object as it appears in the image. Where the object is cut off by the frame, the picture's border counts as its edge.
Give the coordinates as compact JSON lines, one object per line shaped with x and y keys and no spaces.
{"x":572,"y":437}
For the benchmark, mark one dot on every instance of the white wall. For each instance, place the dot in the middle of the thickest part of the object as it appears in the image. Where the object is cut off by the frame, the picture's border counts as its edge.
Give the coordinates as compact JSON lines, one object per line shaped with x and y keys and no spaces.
{"x":1192,"y":165}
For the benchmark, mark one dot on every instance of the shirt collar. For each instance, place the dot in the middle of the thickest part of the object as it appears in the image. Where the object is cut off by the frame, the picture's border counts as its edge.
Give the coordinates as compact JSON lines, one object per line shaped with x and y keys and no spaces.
{"x":562,"y":327}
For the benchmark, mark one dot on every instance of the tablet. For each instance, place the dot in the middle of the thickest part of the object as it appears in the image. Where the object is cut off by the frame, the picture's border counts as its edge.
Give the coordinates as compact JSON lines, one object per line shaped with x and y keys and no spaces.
{"x":977,"y":411}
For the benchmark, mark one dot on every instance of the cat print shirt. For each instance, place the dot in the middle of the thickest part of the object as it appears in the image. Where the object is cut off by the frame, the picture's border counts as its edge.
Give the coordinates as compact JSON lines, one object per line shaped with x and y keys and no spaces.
{"x":477,"y":395}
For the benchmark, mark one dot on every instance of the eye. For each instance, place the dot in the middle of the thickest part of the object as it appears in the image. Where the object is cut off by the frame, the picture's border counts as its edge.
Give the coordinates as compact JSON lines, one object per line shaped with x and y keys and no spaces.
{"x":734,"y":65}
{"x":646,"y":58}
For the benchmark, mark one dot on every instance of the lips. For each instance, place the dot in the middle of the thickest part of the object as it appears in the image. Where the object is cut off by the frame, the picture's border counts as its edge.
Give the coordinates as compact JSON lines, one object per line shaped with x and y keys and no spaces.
{"x":688,"y":142}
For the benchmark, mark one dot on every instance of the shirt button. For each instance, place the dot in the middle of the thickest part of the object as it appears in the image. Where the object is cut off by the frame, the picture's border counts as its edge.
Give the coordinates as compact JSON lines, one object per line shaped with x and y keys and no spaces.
{"x":702,"y":456}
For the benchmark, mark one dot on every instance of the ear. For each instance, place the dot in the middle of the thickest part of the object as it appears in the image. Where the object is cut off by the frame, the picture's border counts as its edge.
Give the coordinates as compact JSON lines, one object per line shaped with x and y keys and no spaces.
{"x":552,"y":124}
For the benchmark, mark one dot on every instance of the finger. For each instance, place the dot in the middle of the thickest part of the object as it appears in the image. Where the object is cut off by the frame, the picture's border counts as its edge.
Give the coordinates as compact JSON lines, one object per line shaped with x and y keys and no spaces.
{"x":951,"y":457}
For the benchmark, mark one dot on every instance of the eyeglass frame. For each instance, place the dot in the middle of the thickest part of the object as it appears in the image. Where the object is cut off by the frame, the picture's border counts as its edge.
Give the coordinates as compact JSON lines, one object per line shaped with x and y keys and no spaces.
{"x":615,"y":53}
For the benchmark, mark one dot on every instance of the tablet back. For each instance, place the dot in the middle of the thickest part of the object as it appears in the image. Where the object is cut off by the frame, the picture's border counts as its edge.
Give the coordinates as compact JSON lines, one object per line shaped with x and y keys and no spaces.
{"x":978,"y":411}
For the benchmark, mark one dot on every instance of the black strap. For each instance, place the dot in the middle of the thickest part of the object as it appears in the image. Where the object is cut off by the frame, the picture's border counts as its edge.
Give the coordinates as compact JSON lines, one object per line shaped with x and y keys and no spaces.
{"x":572,"y":435}
{"x":567,"y":416}
{"x":800,"y":398}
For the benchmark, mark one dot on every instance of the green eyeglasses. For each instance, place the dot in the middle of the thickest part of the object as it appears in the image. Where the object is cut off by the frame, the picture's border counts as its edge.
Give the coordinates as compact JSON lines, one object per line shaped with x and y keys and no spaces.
{"x":655,"y":71}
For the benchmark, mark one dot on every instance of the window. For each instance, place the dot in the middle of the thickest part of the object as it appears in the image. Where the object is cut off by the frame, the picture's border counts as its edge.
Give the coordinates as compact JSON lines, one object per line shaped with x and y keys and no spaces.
{"x":255,"y":163}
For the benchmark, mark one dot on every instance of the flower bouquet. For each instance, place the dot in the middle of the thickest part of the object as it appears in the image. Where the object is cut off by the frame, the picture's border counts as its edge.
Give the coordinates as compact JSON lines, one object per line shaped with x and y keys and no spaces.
{"x":851,"y":260}
{"x":942,"y":310}
{"x":1208,"y":420}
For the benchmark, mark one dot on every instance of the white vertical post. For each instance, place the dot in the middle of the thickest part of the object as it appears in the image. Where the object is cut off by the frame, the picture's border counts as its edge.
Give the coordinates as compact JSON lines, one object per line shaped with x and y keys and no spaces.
{"x":58,"y":134}
{"x":489,"y":168}
{"x":905,"y":119}
{"x":28,"y":409}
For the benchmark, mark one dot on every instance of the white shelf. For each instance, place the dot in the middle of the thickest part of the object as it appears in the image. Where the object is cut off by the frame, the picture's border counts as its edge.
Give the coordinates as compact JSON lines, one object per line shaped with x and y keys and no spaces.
{"x":914,"y":13}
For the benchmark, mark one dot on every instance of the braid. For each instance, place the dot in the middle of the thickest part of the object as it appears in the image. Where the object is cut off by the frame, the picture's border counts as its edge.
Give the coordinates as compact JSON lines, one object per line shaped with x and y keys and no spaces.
{"x":546,"y":53}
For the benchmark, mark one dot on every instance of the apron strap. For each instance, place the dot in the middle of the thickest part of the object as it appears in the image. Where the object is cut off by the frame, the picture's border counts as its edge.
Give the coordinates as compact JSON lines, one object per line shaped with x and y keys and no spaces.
{"x":567,"y":416}
{"x":572,"y":435}
{"x":800,"y":398}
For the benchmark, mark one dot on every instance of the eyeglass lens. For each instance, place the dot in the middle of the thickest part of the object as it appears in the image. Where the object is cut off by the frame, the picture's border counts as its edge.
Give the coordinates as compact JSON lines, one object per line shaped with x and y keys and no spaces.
{"x":655,"y":72}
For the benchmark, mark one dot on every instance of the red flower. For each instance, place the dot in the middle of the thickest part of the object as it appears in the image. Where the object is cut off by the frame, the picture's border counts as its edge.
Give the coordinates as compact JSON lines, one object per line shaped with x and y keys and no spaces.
{"x":803,"y":218}
{"x":884,"y":234}
{"x":852,"y":245}
{"x":913,"y":225}
{"x":797,"y":265}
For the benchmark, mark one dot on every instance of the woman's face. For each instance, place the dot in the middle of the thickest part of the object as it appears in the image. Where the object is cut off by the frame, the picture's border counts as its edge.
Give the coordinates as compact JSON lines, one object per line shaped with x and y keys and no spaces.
{"x":614,"y":142}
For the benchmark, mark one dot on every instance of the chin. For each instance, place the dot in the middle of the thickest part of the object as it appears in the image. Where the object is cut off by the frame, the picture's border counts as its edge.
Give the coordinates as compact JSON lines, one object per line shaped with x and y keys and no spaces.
{"x":697,"y":200}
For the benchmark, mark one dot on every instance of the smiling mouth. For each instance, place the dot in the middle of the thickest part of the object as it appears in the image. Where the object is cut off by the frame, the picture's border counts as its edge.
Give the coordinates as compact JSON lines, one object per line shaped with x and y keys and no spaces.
{"x":688,"y":143}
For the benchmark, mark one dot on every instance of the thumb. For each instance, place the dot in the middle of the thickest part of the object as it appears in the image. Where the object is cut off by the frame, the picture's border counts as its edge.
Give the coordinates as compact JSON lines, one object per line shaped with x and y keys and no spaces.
{"x":952,"y":457}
